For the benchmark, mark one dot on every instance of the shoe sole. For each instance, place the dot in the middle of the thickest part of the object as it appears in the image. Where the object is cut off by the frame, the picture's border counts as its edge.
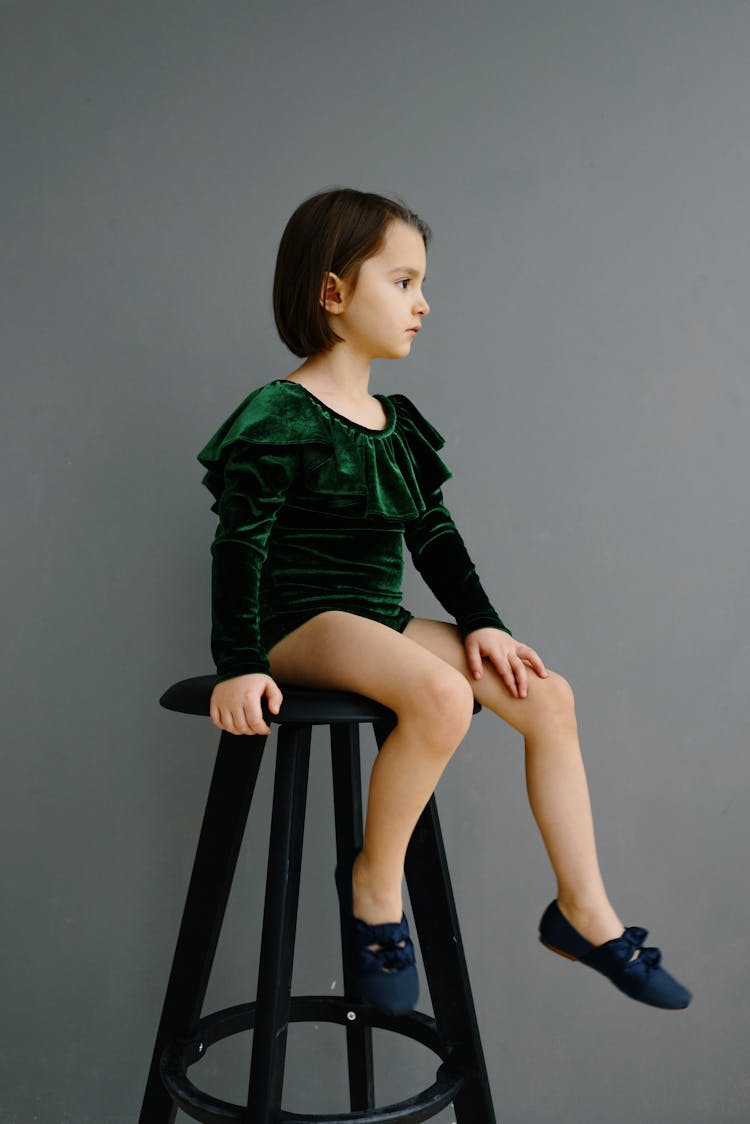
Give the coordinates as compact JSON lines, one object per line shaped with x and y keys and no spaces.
{"x":559,"y":951}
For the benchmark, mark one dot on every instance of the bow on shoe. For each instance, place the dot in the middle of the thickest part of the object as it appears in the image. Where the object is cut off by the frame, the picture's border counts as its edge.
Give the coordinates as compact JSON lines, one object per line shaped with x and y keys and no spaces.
{"x":647,"y":959}
{"x":616,"y":956}
{"x":641,"y":978}
{"x":394,"y":957}
{"x":395,"y":951}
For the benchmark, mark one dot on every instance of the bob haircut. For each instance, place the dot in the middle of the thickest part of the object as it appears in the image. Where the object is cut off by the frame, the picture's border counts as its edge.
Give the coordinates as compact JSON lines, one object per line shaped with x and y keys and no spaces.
{"x":330,"y":232}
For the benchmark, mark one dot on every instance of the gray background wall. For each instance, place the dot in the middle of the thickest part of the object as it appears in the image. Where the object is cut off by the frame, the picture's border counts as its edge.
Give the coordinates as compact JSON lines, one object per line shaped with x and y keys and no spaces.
{"x":585,"y":169}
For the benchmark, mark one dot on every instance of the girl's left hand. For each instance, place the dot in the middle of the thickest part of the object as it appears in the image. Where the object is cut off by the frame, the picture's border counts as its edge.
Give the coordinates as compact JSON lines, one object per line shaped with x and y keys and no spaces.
{"x":508,"y":655}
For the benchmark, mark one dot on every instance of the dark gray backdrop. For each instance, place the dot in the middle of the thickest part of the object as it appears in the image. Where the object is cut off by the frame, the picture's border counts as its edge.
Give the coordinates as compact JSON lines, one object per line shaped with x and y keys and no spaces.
{"x":585,"y":169}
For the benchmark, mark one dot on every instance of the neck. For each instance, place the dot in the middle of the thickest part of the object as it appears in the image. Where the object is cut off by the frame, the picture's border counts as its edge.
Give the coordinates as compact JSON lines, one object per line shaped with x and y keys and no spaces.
{"x":338,"y":373}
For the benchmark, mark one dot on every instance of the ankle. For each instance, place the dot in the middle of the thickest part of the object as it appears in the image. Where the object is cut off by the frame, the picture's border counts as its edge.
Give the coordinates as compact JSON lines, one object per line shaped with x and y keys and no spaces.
{"x":376,"y":894}
{"x":593,"y":918}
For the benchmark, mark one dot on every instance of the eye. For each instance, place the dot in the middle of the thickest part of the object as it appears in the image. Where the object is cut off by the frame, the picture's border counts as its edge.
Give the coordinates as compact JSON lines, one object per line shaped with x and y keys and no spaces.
{"x":406,"y":279}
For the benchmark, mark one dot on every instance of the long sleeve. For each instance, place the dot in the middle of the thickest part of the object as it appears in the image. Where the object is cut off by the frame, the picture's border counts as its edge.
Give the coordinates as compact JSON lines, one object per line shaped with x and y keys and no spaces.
{"x":440,"y":556}
{"x":256,"y":480}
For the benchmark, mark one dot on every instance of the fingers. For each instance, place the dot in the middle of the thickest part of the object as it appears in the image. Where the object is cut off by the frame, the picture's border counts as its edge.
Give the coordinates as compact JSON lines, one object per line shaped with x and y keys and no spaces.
{"x":254,"y":714}
{"x":255,"y":722}
{"x":246,"y":720}
{"x":511,"y":668}
{"x":275,"y":699}
{"x":474,"y":660}
{"x":245,"y":715}
{"x":534,"y":660}
{"x":507,"y":674}
{"x":518,"y":671}
{"x":514,"y":673}
{"x":514,"y":676}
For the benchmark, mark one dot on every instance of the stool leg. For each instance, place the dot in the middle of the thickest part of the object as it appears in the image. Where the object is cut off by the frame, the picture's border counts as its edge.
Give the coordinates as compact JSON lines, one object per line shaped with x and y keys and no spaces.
{"x":232,"y":785}
{"x":279,"y":924}
{"x":440,"y":944}
{"x":347,"y":804}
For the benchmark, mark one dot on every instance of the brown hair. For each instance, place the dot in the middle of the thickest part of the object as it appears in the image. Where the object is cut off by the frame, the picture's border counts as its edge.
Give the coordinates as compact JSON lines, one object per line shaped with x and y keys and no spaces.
{"x":330,"y":232}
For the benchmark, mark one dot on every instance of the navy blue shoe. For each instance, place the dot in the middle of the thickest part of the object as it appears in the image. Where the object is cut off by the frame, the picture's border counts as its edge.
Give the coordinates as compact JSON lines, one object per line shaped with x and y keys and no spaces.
{"x":386,"y":976}
{"x":643,"y":978}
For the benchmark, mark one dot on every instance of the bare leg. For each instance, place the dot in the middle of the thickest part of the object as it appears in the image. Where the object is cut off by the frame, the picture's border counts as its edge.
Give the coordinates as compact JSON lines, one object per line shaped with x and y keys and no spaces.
{"x":559,"y":798}
{"x":434,"y":706}
{"x":555,"y":778}
{"x":404,"y":777}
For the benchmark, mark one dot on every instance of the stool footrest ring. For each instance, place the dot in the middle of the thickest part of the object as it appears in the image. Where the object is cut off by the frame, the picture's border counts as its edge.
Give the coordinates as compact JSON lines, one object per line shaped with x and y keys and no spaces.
{"x":183,"y":1052}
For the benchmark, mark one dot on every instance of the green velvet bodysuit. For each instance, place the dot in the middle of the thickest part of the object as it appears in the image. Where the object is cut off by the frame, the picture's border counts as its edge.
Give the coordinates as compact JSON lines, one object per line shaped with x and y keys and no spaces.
{"x":313,"y":511}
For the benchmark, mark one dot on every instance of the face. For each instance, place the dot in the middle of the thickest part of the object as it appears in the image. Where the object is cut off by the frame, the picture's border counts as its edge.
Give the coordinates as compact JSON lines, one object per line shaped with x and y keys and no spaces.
{"x":375,"y":320}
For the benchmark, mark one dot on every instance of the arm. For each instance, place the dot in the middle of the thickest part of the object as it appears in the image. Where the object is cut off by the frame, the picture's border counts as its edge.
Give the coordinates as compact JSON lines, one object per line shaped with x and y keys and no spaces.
{"x":440,"y":556}
{"x":256,"y":480}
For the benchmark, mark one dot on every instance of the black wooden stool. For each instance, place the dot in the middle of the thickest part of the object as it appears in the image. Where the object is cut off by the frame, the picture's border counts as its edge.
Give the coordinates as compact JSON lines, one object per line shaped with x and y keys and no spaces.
{"x":183,"y":1036}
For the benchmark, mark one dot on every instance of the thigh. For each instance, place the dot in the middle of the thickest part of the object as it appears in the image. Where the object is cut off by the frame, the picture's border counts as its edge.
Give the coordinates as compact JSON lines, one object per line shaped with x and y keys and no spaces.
{"x":546,"y":697}
{"x":353,"y":653}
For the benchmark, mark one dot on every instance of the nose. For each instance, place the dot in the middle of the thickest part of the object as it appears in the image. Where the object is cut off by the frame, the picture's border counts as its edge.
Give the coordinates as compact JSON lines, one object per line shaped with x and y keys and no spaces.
{"x":422,"y":306}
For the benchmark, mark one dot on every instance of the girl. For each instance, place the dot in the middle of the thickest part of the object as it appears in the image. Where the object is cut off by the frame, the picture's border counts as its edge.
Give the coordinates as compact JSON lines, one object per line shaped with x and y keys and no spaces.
{"x":317,"y":484}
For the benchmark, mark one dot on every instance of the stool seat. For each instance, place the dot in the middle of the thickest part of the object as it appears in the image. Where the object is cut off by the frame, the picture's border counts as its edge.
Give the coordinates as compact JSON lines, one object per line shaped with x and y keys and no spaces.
{"x":314,"y":705}
{"x":184,"y":1034}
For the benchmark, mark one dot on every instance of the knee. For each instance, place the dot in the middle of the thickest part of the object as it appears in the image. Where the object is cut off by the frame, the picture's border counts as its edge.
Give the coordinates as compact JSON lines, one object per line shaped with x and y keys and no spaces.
{"x":553,"y":703}
{"x":444,"y":708}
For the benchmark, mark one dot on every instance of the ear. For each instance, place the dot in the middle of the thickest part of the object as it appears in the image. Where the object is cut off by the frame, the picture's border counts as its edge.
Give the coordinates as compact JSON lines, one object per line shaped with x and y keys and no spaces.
{"x":332,"y":293}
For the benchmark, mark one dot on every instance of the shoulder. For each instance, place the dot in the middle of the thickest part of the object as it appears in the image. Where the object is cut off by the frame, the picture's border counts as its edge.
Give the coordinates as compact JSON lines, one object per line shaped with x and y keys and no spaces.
{"x":270,"y":426}
{"x":413,"y":421}
{"x":268,"y":415}
{"x":421,"y":441}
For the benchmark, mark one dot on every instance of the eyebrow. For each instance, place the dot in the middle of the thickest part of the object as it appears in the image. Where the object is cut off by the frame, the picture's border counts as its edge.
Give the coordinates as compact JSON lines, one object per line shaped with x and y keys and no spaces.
{"x":407,"y":269}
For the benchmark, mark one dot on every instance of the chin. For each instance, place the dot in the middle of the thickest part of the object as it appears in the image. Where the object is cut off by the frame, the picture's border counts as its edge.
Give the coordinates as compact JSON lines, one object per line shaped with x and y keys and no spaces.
{"x":391,"y":353}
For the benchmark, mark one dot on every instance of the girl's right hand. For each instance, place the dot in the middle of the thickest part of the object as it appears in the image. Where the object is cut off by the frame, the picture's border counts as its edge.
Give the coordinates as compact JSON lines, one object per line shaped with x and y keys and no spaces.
{"x":235,"y":703}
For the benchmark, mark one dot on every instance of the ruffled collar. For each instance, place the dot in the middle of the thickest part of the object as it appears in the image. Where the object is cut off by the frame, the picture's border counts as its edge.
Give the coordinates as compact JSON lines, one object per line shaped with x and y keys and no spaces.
{"x":390,"y":411}
{"x":392,"y":474}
